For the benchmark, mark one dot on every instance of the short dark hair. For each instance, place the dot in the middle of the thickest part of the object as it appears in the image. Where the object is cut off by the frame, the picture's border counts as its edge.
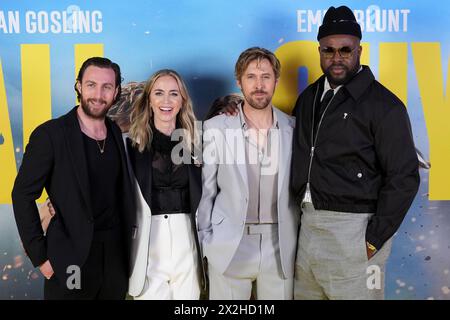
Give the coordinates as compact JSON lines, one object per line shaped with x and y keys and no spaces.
{"x":100,"y":62}
{"x":256,"y":53}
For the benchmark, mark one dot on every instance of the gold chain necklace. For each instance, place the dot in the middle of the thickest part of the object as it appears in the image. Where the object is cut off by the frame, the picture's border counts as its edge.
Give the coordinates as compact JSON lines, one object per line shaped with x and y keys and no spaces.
{"x":85,"y":129}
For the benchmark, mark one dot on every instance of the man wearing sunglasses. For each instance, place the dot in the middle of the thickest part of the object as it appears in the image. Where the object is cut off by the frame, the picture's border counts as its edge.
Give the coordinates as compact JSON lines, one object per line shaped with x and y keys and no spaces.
{"x":354,"y":170}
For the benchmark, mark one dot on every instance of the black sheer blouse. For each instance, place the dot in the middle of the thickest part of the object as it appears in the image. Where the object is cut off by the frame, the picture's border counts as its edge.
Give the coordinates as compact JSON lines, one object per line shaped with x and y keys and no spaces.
{"x":170,"y":182}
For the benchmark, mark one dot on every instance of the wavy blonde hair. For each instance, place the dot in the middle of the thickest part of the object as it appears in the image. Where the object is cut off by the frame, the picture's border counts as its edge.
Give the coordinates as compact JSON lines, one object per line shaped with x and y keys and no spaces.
{"x":141,"y":117}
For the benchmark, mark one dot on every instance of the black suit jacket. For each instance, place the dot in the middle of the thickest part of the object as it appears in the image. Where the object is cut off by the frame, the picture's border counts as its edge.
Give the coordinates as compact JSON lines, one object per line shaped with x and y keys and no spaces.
{"x":55,"y":160}
{"x":141,"y":164}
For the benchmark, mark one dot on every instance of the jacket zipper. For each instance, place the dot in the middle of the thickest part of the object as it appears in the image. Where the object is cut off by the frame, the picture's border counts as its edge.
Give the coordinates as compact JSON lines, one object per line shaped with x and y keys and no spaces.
{"x":314,"y":139}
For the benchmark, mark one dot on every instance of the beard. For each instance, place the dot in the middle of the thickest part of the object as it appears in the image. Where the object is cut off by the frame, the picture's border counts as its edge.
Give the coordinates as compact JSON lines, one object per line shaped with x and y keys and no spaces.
{"x":348,"y":74}
{"x":258,"y":103}
{"x":91,"y":112}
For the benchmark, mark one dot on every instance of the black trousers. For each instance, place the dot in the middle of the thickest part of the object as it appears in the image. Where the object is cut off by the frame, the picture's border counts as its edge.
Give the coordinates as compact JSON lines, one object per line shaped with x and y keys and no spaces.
{"x":103,"y":276}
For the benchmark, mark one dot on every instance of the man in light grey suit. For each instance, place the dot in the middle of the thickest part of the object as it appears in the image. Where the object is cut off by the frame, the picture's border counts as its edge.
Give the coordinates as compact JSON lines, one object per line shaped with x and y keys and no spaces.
{"x":248,"y":224}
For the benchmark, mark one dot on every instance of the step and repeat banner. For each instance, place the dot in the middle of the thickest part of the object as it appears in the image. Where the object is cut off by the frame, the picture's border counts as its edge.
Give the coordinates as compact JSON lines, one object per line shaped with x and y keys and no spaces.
{"x":406,"y":43}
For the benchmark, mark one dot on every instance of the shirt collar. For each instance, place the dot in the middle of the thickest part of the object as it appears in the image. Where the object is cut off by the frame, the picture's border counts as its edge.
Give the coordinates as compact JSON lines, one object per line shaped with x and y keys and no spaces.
{"x":244,"y":124}
{"x":327,"y":87}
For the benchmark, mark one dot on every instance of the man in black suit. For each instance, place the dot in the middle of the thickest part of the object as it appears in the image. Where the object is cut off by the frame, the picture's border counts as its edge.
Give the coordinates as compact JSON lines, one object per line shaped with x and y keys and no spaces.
{"x":80,"y":160}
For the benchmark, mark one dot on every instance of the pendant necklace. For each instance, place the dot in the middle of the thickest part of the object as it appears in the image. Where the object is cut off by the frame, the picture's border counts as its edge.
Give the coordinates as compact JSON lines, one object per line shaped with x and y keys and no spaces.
{"x":102,"y":147}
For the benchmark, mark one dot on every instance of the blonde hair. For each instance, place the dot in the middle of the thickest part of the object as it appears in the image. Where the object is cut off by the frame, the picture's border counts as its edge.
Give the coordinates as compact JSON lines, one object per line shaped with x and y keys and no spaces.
{"x":256,"y":53}
{"x":141,"y":117}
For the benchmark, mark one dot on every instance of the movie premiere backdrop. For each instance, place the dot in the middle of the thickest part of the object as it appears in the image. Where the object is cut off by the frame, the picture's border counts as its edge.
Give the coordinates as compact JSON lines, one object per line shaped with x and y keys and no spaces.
{"x":406,"y":43}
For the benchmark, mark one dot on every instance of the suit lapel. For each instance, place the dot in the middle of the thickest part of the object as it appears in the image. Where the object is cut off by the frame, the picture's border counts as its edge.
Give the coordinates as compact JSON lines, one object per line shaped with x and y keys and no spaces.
{"x":141,"y":163}
{"x":117,"y":135}
{"x":126,"y":187}
{"x":75,"y":147}
{"x":234,"y":136}
{"x":285,"y":148}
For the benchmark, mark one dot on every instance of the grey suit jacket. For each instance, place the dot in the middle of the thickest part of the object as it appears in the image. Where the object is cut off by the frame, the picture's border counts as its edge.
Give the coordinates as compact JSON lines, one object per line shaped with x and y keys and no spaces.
{"x":223,"y":206}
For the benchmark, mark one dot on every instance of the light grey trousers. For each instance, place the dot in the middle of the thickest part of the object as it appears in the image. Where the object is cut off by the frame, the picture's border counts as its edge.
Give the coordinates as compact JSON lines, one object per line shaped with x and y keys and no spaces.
{"x":331,"y":260}
{"x":257,"y":259}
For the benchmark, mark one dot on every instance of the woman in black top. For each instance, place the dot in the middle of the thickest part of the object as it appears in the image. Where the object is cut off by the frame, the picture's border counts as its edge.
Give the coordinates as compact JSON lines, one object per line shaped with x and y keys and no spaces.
{"x":167,"y":261}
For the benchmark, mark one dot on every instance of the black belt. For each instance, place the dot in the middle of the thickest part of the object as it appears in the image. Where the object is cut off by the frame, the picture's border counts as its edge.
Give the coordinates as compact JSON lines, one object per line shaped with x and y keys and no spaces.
{"x":168,"y":200}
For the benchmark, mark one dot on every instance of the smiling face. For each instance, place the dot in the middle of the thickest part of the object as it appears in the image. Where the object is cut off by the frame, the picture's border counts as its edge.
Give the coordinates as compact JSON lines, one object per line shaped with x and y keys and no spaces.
{"x":258,"y":84}
{"x":339,"y":70}
{"x":97,"y":91}
{"x":165,"y":101}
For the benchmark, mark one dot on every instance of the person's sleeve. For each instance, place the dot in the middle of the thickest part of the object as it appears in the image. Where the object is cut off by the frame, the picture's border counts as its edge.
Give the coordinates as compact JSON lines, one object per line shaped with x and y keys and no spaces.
{"x":37,"y":164}
{"x":400,"y":175}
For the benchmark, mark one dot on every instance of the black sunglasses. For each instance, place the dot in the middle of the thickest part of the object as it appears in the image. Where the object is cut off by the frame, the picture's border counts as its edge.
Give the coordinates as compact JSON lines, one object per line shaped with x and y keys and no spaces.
{"x":344,"y":52}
